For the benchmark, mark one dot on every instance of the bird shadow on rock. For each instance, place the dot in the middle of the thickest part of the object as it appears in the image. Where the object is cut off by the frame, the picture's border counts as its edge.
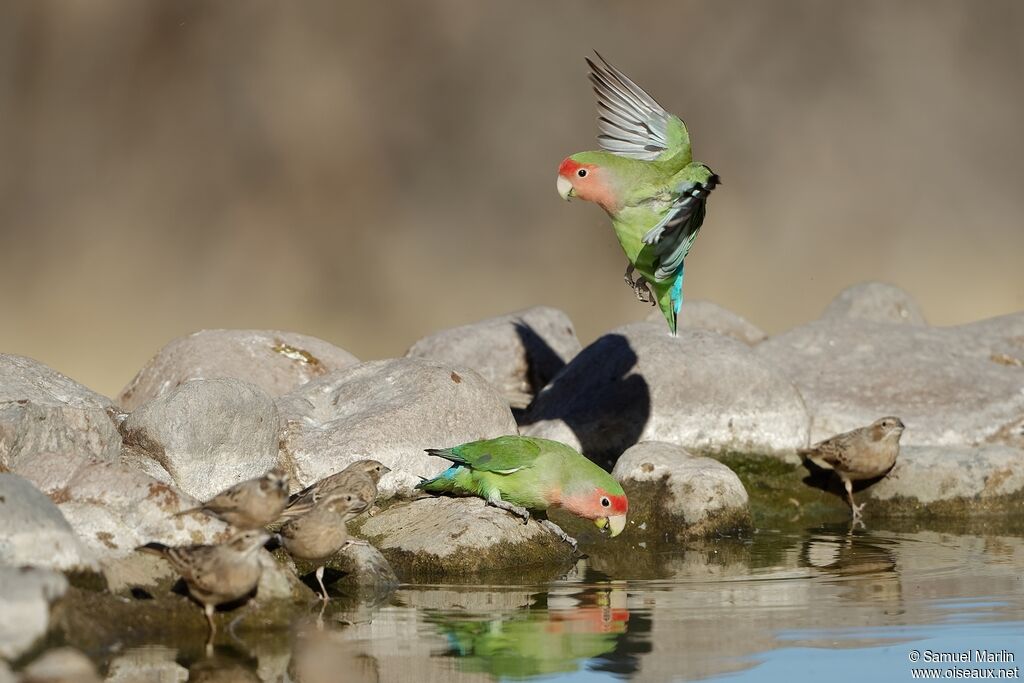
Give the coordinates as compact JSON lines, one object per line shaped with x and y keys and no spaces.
{"x":827,"y":480}
{"x":600,"y":398}
{"x":542,"y":362}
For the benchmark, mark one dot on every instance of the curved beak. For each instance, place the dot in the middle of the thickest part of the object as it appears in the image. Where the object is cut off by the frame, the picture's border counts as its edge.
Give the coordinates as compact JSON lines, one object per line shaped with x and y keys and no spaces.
{"x":615,"y":524}
{"x":564,"y":188}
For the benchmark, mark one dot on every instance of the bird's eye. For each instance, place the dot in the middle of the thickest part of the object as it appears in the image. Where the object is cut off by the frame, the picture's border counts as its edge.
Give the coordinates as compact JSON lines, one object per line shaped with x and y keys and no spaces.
{"x":605,"y":502}
{"x":582,"y":173}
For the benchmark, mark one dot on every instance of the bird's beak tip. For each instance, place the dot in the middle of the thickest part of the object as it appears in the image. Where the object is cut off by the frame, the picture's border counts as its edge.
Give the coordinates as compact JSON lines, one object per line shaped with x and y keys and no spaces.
{"x":564,"y":188}
{"x":614,"y":523}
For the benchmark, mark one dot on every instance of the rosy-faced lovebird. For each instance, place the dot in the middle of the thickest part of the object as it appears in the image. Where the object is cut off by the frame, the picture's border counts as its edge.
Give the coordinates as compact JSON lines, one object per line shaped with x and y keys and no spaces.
{"x":521,"y":473}
{"x":648,"y":183}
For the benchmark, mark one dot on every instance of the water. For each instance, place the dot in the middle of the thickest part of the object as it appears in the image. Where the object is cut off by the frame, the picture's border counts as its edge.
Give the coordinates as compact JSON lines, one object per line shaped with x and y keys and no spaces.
{"x":820,"y":604}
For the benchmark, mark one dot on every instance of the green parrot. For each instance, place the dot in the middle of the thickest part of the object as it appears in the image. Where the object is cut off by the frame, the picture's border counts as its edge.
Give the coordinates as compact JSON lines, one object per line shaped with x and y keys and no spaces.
{"x":647,"y":182}
{"x":522,"y":473}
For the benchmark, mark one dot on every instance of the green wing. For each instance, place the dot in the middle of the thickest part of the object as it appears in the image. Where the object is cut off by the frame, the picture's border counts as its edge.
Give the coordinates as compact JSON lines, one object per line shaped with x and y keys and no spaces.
{"x":674,"y":234}
{"x":502,"y":455}
{"x":632,"y":123}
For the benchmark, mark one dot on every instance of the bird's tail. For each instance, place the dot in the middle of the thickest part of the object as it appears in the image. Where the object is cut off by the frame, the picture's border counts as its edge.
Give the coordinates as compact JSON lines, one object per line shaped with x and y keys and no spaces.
{"x":670,"y":299}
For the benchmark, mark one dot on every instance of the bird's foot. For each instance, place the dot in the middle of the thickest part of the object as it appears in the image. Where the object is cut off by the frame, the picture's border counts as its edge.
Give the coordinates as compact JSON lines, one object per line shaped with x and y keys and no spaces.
{"x":857,"y":510}
{"x":509,"y":507}
{"x":557,"y":531}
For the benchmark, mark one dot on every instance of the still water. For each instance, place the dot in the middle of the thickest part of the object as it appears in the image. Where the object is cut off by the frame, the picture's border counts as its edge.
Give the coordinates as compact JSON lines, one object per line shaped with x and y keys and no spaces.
{"x":826,"y":603}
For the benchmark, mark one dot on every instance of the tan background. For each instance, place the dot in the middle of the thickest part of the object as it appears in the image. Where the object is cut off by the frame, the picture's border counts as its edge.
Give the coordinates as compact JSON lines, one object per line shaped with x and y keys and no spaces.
{"x":370,"y":172}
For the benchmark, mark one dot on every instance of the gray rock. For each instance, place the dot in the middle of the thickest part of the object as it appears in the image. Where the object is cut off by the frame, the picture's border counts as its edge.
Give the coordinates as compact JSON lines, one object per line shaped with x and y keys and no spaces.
{"x":363,"y":569}
{"x":34,"y":532}
{"x":449,"y":536}
{"x":704,"y":315}
{"x":700,"y":390}
{"x":276,"y":362}
{"x":150,"y":663}
{"x":42,"y":411}
{"x":389,"y":410}
{"x":999,"y":340}
{"x":114,"y":509}
{"x":930,"y":474}
{"x":877,"y":302}
{"x":518,"y":353}
{"x":673,"y":493}
{"x":61,"y":665}
{"x":5,"y":673}
{"x":25,"y":598}
{"x":207,"y":434}
{"x":947,"y":391}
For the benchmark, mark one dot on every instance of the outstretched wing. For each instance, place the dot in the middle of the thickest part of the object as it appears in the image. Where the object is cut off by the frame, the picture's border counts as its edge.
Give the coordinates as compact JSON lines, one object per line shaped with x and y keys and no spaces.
{"x":675,"y":232}
{"x":503,"y":455}
{"x":632,"y":123}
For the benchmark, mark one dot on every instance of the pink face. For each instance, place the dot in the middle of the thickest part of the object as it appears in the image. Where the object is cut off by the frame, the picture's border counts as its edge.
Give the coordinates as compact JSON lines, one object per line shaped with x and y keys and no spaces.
{"x":589,"y":183}
{"x":597,"y":504}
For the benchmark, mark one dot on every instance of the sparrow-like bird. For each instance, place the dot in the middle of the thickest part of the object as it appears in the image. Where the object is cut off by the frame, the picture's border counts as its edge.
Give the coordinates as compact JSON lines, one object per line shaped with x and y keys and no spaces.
{"x":320,"y":532}
{"x":251,"y":504}
{"x":359,"y":478}
{"x":216,"y":574}
{"x":646,"y":180}
{"x":863,"y":453}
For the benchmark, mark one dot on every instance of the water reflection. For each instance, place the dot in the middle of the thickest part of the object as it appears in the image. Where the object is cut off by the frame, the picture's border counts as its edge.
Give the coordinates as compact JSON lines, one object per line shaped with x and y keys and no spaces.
{"x":736,"y":607}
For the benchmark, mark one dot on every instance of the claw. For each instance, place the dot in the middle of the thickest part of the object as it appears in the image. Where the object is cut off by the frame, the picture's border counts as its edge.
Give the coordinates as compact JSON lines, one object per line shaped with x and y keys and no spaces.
{"x":557,"y":531}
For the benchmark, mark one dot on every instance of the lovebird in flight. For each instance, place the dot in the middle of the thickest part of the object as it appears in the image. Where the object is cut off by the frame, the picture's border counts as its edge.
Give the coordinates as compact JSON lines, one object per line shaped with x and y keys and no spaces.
{"x":521,"y":473}
{"x":645,"y":178}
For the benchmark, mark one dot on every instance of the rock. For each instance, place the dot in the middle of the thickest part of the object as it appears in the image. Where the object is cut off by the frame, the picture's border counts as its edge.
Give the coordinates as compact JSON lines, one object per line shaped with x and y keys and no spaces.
{"x":276,"y":362}
{"x":114,"y":509}
{"x":700,"y":390}
{"x":33,"y":532}
{"x":5,"y":673}
{"x":704,"y":315}
{"x":518,"y":353}
{"x":208,"y":434}
{"x":61,"y":665}
{"x":999,"y":340}
{"x":149,"y":663}
{"x":389,"y":410}
{"x":357,"y":569}
{"x":932,"y":474}
{"x":675,"y":494}
{"x":437,"y":536}
{"x":851,"y":372}
{"x":25,"y":598}
{"x":876,"y":302}
{"x":42,"y":411}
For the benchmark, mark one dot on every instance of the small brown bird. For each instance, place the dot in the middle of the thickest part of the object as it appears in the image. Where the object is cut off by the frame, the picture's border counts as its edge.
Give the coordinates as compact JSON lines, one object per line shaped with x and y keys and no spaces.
{"x":361,"y":478}
{"x":216,"y":574}
{"x":863,"y":453}
{"x":320,"y":532}
{"x":251,"y":504}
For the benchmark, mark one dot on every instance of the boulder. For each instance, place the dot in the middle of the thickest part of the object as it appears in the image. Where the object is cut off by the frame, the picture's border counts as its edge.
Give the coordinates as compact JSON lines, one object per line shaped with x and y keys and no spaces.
{"x":389,"y":410}
{"x":436,"y":536}
{"x":113,"y":508}
{"x":276,"y":362}
{"x":674,"y":494}
{"x":518,"y":353}
{"x":355,"y":570}
{"x":42,"y":411}
{"x":876,"y":302}
{"x":61,"y":665}
{"x":700,"y":390}
{"x":25,"y":598}
{"x":34,"y":532}
{"x":851,"y":372}
{"x":704,"y":315}
{"x":934,"y":474}
{"x":148,"y":663}
{"x":207,"y":434}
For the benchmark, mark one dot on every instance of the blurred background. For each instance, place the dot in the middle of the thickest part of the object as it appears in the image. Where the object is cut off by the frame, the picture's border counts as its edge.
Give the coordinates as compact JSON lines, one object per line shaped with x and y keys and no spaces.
{"x":372,"y":172}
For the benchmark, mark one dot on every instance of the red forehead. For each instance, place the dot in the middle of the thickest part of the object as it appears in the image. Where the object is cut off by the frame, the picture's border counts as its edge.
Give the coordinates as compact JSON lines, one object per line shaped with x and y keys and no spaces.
{"x":569,"y":167}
